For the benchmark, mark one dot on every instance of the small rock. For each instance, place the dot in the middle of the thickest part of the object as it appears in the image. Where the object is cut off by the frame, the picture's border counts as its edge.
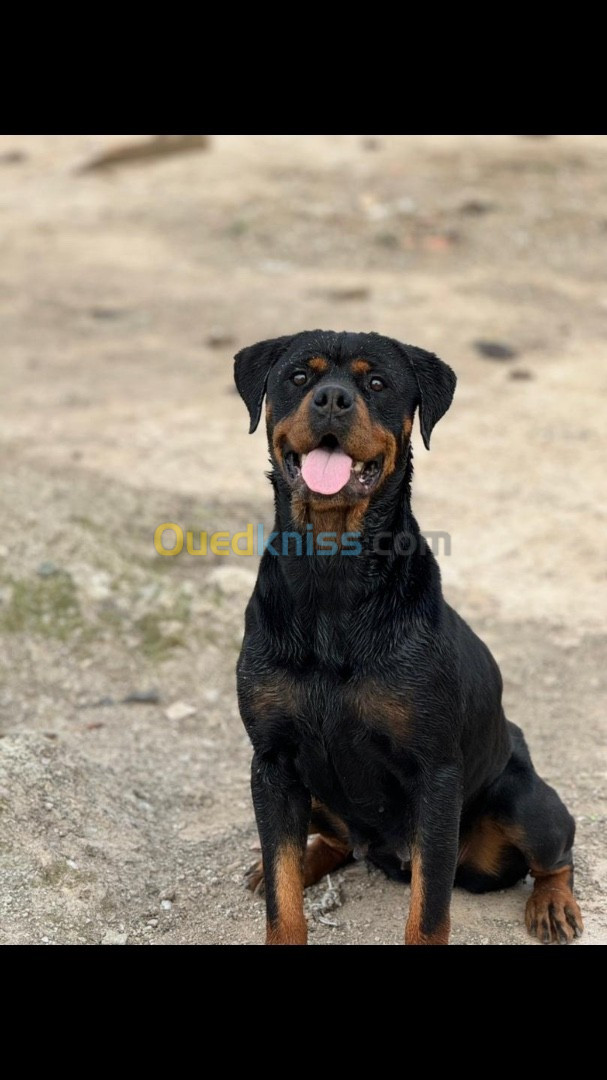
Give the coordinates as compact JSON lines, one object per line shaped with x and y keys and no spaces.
{"x":108,"y":313}
{"x":387,"y":240}
{"x":12,"y":157}
{"x":142,"y":697}
{"x":180,"y":710}
{"x":47,"y":569}
{"x":476,"y":207}
{"x":166,"y":905}
{"x":97,"y":586}
{"x":49,"y":806}
{"x":141,"y":151}
{"x":495,"y":350}
{"x":521,"y":374}
{"x":219,"y":339}
{"x":72,"y":865}
{"x":113,"y":937}
{"x":168,"y":894}
{"x":355,"y":292}
{"x":152,"y":923}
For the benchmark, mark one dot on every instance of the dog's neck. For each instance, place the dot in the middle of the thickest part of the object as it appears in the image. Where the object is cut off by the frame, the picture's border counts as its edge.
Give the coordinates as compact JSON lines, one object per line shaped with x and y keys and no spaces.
{"x":332,"y":602}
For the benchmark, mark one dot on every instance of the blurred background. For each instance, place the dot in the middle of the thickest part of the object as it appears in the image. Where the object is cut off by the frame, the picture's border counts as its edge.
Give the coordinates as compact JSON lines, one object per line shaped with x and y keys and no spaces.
{"x":132,"y":268}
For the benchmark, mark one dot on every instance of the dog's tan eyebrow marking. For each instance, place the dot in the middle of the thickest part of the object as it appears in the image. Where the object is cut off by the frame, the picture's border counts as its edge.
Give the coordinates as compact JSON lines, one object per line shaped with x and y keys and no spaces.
{"x":318,"y":364}
{"x":360,"y":367}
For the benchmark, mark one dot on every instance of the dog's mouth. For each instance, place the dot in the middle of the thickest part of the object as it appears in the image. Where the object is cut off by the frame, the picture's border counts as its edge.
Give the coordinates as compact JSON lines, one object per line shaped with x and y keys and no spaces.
{"x":328,"y":469}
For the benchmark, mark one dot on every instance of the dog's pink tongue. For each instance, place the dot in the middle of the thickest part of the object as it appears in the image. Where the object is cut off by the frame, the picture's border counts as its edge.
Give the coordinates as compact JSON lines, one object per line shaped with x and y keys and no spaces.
{"x":326,"y":471}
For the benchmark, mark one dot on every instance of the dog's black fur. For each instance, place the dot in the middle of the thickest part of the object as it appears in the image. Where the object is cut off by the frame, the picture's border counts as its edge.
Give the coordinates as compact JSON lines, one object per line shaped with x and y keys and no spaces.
{"x":374,"y":711}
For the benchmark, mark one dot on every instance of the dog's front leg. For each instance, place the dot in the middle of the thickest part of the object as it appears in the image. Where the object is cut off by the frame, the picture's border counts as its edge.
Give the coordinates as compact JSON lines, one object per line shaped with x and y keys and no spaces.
{"x":434,"y":859}
{"x":282,"y":809}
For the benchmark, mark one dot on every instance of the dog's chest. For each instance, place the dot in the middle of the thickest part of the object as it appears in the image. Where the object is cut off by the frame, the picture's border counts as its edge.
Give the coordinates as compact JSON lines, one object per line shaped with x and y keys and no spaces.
{"x":352,"y":738}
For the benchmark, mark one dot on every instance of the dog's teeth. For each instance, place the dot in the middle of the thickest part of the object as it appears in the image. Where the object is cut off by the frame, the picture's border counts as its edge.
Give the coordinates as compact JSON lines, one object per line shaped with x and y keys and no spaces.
{"x":359,"y":466}
{"x":302,"y":460}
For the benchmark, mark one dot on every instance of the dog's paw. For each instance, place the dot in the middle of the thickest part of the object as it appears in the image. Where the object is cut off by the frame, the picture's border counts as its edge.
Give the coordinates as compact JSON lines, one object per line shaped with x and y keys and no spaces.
{"x":254,"y":880}
{"x":553,"y":917}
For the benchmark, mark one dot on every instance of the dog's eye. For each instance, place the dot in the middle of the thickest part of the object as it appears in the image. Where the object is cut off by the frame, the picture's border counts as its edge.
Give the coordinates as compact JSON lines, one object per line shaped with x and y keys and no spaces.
{"x":376,"y":383}
{"x":299,"y":378}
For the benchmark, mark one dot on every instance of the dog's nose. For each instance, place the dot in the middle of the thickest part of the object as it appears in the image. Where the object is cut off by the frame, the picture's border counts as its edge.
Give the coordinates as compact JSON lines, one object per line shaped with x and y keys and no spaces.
{"x":332,"y":400}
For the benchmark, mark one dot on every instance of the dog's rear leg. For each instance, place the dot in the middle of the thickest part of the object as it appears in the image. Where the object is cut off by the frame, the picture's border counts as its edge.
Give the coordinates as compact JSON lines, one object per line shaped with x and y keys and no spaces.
{"x":282,"y":810}
{"x":330,"y":849}
{"x":546,"y":831}
{"x":525,"y":827}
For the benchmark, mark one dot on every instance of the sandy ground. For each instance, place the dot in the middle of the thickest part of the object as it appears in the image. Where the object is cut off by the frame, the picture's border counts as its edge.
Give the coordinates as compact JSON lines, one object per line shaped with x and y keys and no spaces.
{"x":123,"y":297}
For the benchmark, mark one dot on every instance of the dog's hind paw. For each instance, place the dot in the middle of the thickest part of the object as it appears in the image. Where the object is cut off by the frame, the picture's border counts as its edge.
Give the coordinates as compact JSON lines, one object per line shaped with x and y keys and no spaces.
{"x":254,"y":880}
{"x":553,"y":918}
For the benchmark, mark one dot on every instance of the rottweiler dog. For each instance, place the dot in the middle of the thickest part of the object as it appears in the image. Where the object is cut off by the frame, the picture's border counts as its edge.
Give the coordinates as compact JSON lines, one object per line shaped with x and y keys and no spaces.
{"x":374,"y":711}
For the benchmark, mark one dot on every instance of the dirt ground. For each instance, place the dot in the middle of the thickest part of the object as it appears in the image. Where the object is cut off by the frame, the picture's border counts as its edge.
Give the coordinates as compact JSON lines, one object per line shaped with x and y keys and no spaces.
{"x":123,"y":297}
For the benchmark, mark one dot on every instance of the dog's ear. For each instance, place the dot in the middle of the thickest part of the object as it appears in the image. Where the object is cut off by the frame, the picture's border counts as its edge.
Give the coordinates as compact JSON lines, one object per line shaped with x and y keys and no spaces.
{"x":436,"y":384}
{"x":251,"y":369}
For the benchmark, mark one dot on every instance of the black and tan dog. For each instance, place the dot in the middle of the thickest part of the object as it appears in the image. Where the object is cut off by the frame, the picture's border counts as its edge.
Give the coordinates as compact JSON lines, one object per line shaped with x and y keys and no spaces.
{"x":374,"y":711}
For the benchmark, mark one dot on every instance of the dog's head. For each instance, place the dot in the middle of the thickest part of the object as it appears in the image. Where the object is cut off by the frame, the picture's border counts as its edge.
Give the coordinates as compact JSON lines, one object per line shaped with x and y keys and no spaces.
{"x":340,"y":408}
